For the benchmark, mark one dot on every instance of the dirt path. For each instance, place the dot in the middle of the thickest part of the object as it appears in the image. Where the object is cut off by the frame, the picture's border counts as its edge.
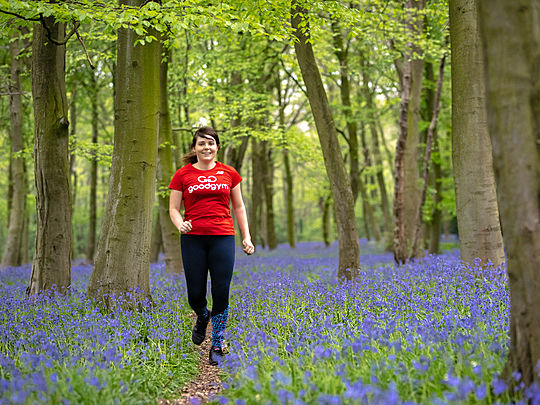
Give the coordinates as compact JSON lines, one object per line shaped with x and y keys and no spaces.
{"x":206,"y":383}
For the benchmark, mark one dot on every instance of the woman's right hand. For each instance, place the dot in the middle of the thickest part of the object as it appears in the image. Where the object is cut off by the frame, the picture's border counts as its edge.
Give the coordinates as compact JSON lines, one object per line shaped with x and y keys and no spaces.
{"x":185,"y":226}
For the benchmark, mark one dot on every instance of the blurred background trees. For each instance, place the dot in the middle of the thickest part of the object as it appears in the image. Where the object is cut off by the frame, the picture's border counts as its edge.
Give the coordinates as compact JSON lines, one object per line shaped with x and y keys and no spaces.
{"x":330,"y":111}
{"x":240,"y":75}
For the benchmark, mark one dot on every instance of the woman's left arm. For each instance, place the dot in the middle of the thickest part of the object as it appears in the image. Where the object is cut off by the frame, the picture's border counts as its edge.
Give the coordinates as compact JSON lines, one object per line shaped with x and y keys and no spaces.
{"x":241,"y":217}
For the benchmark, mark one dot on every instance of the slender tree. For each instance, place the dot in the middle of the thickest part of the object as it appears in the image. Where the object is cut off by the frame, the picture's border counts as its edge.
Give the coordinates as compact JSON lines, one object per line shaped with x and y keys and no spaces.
{"x":123,"y":253}
{"x":511,"y":53}
{"x":281,"y":95}
{"x":349,"y":249}
{"x":476,"y":198}
{"x":14,"y":243}
{"x":341,"y":50}
{"x":169,"y":234}
{"x":435,"y":176}
{"x":406,"y":192}
{"x":427,"y":158}
{"x":267,"y":167}
{"x":257,"y":191}
{"x":372,"y":124}
{"x":156,"y":243}
{"x":52,"y":255}
{"x":93,"y":91}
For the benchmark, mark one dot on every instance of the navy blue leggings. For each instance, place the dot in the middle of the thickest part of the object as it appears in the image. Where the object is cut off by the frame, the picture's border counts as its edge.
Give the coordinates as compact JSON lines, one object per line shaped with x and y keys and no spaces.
{"x":201,"y":253}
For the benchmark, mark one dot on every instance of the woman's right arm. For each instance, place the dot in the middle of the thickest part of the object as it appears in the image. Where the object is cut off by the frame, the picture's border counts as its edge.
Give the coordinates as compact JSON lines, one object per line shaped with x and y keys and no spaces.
{"x":175,"y":204}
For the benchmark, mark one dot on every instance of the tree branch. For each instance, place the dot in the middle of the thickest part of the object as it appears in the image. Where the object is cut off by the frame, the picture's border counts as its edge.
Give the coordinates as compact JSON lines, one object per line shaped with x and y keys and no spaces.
{"x":76,"y":25}
{"x":85,"y":50}
{"x":344,"y":135}
{"x":292,"y":77}
{"x":19,"y":16}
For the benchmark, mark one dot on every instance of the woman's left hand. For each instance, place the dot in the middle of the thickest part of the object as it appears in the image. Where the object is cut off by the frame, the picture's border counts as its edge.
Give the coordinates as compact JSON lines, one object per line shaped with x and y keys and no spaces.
{"x":248,"y":247}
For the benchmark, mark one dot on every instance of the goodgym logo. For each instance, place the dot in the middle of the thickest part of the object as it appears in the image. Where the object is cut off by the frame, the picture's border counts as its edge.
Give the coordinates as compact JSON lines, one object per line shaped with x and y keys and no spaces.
{"x":207,"y":183}
{"x":209,"y":179}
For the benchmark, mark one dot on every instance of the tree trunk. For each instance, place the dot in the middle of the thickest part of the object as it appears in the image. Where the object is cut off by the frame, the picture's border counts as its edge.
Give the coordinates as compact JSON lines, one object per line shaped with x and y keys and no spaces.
{"x":256,"y":192}
{"x":52,"y":255}
{"x":434,"y":229}
{"x":123,"y":253}
{"x":92,"y":215}
{"x":357,"y":184}
{"x":12,"y":250}
{"x":289,"y":198}
{"x":267,"y":167}
{"x":169,"y":234}
{"x":411,"y":175}
{"x":349,"y":249}
{"x":367,"y":197}
{"x":289,"y":189}
{"x":368,"y":96}
{"x":512,"y":50}
{"x":427,"y":159}
{"x":365,"y":209}
{"x":235,"y":154}
{"x":406,"y":193}
{"x":325,"y":204}
{"x":345,"y":93}
{"x":476,"y":197}
{"x":436,"y":219}
{"x":72,"y":159}
{"x":400,"y":243}
{"x":25,"y":248}
{"x":156,"y":243}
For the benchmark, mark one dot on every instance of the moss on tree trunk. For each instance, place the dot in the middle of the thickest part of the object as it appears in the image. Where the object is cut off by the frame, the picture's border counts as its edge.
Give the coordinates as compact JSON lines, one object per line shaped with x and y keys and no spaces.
{"x":512,"y":50}
{"x":123,"y":253}
{"x":52,"y":254}
{"x":12,"y":251}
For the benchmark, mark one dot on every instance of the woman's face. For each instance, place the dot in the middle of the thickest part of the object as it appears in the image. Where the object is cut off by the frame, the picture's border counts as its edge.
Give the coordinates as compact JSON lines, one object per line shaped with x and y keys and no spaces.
{"x":206,"y":149}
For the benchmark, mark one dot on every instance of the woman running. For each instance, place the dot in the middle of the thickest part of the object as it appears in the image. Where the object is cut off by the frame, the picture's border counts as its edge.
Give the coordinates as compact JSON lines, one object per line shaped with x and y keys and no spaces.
{"x":206,"y":186}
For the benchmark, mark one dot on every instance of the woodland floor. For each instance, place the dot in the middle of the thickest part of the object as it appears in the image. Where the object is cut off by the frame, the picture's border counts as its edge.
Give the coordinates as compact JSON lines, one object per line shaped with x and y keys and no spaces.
{"x":206,"y":384}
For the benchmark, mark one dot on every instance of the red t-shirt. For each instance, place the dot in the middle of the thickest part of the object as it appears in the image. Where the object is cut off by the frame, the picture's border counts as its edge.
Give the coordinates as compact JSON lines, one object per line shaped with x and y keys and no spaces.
{"x":206,"y":196}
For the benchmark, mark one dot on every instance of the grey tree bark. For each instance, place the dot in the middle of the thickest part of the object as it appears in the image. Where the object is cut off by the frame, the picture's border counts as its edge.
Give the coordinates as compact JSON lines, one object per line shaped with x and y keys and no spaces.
{"x":123,"y":253}
{"x":511,"y":41}
{"x":12,"y":255}
{"x":349,"y":248}
{"x":476,"y":197}
{"x":52,"y":255}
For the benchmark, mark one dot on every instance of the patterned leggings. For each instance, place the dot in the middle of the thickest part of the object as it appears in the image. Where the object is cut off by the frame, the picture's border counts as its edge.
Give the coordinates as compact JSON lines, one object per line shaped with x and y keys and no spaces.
{"x":214,"y":253}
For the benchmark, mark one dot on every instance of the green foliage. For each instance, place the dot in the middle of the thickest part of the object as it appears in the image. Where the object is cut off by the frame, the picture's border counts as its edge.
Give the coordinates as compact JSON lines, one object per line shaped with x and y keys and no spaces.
{"x":90,"y":151}
{"x":226,"y":59}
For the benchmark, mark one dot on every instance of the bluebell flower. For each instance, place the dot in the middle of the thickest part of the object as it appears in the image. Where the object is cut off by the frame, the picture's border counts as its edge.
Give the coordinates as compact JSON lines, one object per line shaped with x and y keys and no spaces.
{"x":499,"y":386}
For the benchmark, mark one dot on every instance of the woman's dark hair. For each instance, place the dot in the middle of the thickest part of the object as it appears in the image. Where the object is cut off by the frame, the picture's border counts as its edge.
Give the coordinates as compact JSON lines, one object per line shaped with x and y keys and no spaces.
{"x":202,"y":132}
